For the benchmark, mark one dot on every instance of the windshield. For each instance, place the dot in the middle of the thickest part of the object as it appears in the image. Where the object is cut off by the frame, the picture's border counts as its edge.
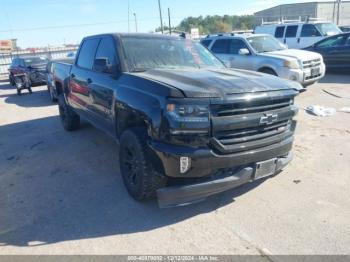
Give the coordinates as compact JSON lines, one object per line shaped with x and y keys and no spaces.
{"x":35,"y":61}
{"x":149,"y":53}
{"x":262,"y":44}
{"x":328,"y":29}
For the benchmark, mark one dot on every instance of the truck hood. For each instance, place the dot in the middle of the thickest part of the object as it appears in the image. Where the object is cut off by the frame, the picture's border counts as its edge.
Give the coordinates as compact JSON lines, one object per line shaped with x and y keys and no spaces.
{"x":218,"y":82}
{"x":290,"y":54}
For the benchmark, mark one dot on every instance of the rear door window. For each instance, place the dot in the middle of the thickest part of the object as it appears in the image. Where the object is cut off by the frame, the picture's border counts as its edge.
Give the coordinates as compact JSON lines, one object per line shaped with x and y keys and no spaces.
{"x":206,"y":43}
{"x":221,"y":46}
{"x":87,"y":53}
{"x":309,"y":31}
{"x":280,"y":31}
{"x":291,"y":31}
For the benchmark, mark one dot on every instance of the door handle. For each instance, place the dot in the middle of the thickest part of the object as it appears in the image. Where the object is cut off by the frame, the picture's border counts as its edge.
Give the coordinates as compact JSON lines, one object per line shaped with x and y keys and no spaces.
{"x":298,"y":40}
{"x":89,"y":81}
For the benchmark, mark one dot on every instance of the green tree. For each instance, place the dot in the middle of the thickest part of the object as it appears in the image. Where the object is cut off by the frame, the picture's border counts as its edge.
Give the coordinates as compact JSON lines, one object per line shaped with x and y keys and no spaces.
{"x":216,"y":24}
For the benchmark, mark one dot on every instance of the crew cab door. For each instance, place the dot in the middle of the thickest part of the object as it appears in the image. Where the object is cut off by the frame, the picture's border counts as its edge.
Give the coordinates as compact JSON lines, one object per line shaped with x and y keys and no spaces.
{"x":80,"y":77}
{"x":104,"y":82}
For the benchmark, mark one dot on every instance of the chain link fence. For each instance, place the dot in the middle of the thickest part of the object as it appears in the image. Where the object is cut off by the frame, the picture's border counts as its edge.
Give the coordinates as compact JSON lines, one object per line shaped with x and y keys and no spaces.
{"x":50,"y":53}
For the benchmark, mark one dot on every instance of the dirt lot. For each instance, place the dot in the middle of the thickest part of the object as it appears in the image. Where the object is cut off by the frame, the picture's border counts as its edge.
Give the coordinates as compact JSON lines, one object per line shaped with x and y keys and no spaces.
{"x":62,"y":193}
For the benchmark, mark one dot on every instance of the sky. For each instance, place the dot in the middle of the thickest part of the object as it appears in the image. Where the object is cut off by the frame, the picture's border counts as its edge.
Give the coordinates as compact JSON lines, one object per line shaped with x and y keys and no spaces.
{"x":55,"y":22}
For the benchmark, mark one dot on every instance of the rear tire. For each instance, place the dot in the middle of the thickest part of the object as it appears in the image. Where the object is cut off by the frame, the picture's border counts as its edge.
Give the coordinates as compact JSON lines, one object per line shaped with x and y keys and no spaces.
{"x":70,"y":120}
{"x":52,"y":96}
{"x":139,"y":175}
{"x":12,"y":83}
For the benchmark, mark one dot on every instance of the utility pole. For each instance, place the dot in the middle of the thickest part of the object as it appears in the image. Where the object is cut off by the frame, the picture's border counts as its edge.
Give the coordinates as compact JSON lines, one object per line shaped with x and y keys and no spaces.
{"x":161,"y":18}
{"x":169,"y":21}
{"x":338,"y":12}
{"x":128,"y":16}
{"x":135,"y":22}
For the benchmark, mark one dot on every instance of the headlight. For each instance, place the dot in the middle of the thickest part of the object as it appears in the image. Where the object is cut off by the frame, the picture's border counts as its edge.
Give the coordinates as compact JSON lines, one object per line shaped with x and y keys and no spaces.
{"x":189,"y":113}
{"x":293,"y":64}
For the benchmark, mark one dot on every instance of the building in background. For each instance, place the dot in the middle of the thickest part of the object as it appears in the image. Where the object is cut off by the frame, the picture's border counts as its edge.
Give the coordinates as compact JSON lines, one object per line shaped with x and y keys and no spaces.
{"x":7,"y":46}
{"x":322,"y":10}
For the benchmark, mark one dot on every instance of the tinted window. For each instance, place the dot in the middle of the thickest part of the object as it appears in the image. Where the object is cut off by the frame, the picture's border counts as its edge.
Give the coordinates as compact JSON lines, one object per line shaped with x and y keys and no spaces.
{"x":206,"y":43}
{"x":309,"y":31}
{"x":34,"y":61}
{"x":332,"y":41}
{"x":347,"y":41}
{"x":15,"y":62}
{"x":221,"y":46}
{"x":21,"y":62}
{"x":106,"y":55}
{"x":235,"y":45}
{"x":292,"y":31}
{"x":87,"y":53}
{"x":280,"y":32}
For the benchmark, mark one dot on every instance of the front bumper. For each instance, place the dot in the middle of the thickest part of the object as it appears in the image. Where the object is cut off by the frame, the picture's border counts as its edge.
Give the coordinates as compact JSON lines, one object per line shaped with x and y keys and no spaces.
{"x":188,"y":194}
{"x":206,"y":162}
{"x":303,"y":76}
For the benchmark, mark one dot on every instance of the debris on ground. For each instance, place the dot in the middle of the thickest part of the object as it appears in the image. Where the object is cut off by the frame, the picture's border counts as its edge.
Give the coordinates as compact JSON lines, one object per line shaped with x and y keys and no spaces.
{"x":345,"y":110}
{"x":320,"y":110}
{"x":334,"y":94}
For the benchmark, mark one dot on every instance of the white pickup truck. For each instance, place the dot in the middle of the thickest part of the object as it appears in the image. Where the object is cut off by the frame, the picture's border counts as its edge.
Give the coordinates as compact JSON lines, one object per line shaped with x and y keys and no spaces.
{"x":264,"y":53}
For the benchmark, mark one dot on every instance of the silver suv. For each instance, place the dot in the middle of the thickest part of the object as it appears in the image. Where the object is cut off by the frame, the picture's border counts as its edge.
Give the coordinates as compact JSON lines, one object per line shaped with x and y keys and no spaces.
{"x":264,"y":53}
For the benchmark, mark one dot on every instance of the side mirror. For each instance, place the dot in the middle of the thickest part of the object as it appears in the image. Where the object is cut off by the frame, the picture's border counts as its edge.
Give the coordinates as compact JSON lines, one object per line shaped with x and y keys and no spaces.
{"x":243,"y":51}
{"x":102,"y":65}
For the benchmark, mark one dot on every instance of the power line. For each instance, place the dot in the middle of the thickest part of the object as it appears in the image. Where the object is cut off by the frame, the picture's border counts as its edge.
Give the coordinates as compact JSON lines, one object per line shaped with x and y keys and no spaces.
{"x":76,"y":25}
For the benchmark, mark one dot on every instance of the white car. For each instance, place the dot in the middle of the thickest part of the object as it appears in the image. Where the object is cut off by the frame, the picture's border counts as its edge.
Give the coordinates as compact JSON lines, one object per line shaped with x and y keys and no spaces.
{"x":266,"y":54}
{"x":299,"y":34}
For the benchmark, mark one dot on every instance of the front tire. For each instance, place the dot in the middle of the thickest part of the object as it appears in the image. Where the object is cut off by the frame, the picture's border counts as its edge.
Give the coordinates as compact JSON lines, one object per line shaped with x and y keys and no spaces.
{"x":140,"y":178}
{"x":268,"y":71}
{"x":70,"y":120}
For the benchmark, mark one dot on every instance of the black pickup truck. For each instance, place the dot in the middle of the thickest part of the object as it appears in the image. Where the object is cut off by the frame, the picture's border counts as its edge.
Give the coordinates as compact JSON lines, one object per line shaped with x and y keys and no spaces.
{"x":187,"y":126}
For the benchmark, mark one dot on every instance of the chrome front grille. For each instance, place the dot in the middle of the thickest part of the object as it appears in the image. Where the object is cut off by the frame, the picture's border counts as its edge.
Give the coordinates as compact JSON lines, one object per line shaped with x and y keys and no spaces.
{"x":312,"y":63}
{"x":239,"y":127}
{"x":249,"y":107}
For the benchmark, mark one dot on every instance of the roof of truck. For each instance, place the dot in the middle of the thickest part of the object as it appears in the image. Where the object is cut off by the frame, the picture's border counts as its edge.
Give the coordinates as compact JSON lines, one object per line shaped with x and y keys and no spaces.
{"x":137,"y":35}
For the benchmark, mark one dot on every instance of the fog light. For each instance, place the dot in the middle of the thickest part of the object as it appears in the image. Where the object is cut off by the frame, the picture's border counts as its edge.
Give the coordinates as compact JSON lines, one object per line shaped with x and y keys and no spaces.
{"x":185,"y":164}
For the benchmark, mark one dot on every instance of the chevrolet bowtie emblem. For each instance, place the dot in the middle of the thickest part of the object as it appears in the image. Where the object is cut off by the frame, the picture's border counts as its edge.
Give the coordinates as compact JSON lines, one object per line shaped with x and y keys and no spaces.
{"x":268,"y":119}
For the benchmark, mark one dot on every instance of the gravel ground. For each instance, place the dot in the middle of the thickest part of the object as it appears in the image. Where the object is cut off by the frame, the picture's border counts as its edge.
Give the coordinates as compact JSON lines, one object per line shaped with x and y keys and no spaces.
{"x":62,"y":193}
